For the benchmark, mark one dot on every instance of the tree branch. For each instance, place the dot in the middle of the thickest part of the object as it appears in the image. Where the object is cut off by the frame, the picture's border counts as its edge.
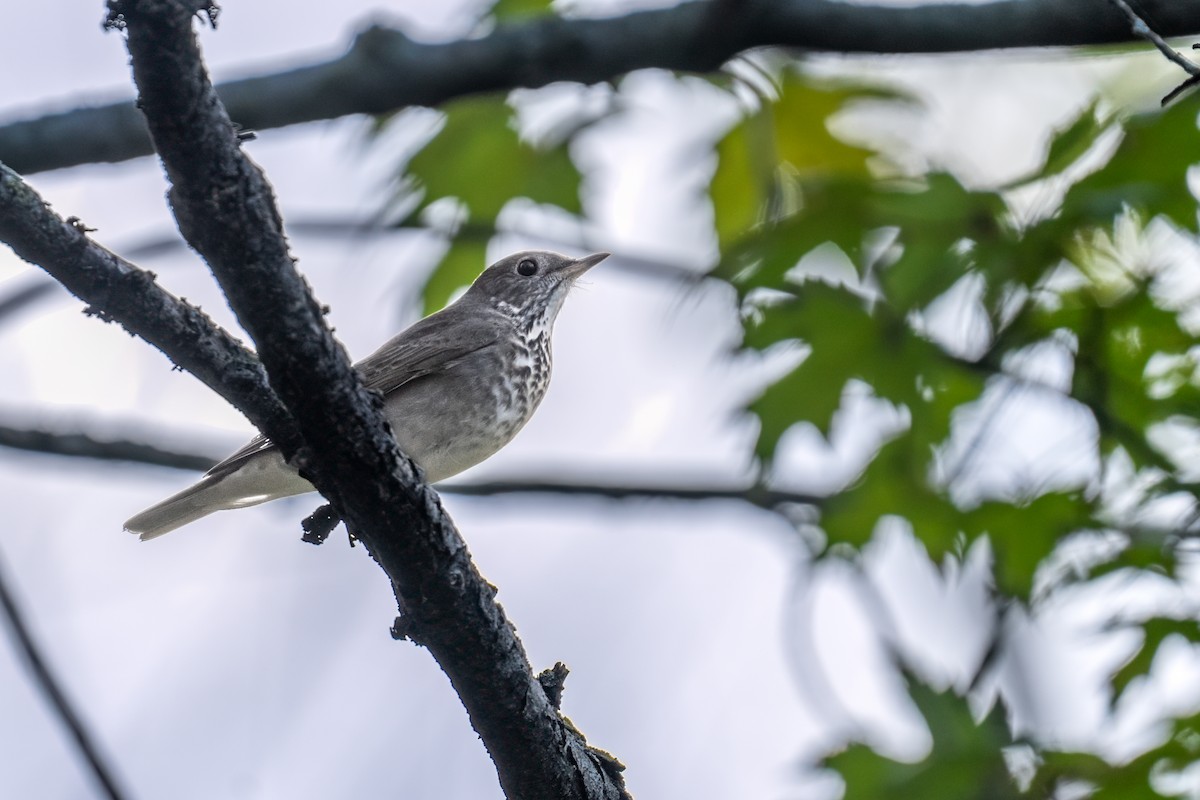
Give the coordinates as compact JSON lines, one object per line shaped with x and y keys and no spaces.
{"x":119,"y":291}
{"x":226,"y":211}
{"x":79,"y":444}
{"x":761,"y":496}
{"x":357,"y":228}
{"x":54,"y":694}
{"x":24,"y":296}
{"x":384,"y":70}
{"x":1141,"y":28}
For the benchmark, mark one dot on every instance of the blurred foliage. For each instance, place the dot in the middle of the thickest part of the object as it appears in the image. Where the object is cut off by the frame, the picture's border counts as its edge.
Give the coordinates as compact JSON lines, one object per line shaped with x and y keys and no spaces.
{"x":980,"y":759}
{"x":1087,"y":275}
{"x":513,"y":10}
{"x":478,"y":161}
{"x":1155,"y":631}
{"x":966,"y":760}
{"x":1088,"y":278}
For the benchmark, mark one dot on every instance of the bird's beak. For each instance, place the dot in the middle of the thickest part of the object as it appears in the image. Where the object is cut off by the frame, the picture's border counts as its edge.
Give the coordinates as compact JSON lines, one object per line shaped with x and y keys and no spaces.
{"x":581,"y":265}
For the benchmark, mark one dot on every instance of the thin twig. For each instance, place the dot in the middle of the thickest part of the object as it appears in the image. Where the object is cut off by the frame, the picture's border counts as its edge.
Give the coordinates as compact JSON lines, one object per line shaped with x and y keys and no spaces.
{"x":120,"y":291}
{"x":981,"y":433}
{"x":357,"y":228}
{"x":1141,"y":28}
{"x":45,"y":681}
{"x":1181,"y":88}
{"x":81,"y":444}
{"x":762,"y":497}
{"x":24,"y":296}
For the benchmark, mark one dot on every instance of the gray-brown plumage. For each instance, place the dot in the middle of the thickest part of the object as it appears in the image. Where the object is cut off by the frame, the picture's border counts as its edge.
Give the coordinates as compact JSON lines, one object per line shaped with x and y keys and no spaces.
{"x":457,"y":387}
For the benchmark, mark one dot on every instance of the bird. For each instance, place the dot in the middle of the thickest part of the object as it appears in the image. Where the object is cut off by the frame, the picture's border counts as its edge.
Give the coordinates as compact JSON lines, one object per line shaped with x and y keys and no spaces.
{"x":457,"y":386}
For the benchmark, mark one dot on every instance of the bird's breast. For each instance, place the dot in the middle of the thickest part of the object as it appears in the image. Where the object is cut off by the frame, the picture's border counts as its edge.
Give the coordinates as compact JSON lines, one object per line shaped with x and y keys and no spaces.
{"x":454,"y":419}
{"x":522,"y":381}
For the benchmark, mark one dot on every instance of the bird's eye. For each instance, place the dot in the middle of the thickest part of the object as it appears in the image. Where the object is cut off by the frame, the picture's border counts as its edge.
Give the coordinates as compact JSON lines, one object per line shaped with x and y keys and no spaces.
{"x":527,"y":267}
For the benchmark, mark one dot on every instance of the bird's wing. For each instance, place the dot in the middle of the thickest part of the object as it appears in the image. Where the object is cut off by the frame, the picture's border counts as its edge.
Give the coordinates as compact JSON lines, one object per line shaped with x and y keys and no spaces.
{"x":253,"y":447}
{"x":435,"y":343}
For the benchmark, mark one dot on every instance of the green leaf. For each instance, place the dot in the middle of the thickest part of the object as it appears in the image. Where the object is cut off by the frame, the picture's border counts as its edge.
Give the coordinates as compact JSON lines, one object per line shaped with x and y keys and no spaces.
{"x":464,"y":260}
{"x":849,"y":342}
{"x":1119,"y":337}
{"x":895,"y":483}
{"x":760,"y":159}
{"x":1134,"y":779}
{"x":1142,"y":554}
{"x":832,"y":211}
{"x":932,"y":220}
{"x":944,"y":386}
{"x":800,"y":124}
{"x":965,"y":762}
{"x":1024,"y":535}
{"x":840,"y":332}
{"x":478,"y":158}
{"x":1071,"y":143}
{"x":1127,"y":782}
{"x":1155,"y":631}
{"x":1148,"y":172}
{"x":508,"y":10}
{"x":1021,"y":259}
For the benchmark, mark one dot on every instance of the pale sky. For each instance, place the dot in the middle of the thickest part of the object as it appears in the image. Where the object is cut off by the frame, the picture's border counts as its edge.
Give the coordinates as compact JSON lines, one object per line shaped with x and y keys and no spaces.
{"x":230,"y":660}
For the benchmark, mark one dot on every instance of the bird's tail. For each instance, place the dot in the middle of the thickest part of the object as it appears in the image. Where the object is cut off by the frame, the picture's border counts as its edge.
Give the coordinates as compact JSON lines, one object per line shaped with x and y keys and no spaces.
{"x":194,"y":502}
{"x":254,"y":475}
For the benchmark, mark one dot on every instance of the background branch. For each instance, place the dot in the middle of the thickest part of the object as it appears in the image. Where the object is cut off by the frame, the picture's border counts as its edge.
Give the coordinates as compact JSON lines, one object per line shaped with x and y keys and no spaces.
{"x":119,"y":291}
{"x":40,"y":672}
{"x":761,"y":496}
{"x":1141,"y":27}
{"x":324,"y":226}
{"x":82,"y":444}
{"x":384,"y":70}
{"x":24,"y":296}
{"x":78,"y":444}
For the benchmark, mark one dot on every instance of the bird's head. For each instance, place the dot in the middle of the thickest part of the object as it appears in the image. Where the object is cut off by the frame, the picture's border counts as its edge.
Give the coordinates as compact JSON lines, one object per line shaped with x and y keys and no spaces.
{"x":531,"y":285}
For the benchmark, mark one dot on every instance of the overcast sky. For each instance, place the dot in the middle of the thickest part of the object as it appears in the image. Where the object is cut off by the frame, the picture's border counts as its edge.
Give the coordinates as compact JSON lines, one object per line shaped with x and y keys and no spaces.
{"x":230,"y":660}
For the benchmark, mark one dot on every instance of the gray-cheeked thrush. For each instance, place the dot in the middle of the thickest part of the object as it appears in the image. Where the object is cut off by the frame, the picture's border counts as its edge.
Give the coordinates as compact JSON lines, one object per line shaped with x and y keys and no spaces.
{"x":457,"y":386}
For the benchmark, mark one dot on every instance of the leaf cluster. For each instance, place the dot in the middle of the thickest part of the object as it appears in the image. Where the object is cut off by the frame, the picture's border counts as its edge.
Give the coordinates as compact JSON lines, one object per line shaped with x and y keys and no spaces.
{"x":1093,"y":277}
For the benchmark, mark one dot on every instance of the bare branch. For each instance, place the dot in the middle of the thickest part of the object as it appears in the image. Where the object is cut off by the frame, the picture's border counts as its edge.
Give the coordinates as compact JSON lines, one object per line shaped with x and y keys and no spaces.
{"x":357,"y":228}
{"x":39,"y":670}
{"x":226,"y":210}
{"x":1141,"y":28}
{"x":24,"y":296}
{"x":119,"y":291}
{"x":384,"y":70}
{"x":761,"y":496}
{"x":82,"y":444}
{"x":79,"y":444}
